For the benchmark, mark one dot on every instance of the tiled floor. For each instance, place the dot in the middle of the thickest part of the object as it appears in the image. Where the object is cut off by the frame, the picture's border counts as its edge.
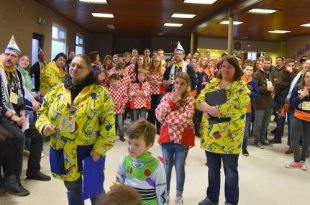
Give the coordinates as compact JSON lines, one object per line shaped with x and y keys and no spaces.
{"x":263,"y":179}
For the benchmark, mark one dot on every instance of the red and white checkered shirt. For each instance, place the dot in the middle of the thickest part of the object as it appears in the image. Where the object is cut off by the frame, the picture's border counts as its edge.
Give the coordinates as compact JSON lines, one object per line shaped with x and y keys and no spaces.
{"x":175,"y":116}
{"x":130,"y":69}
{"x":154,"y":88}
{"x":120,"y":98}
{"x":140,"y":101}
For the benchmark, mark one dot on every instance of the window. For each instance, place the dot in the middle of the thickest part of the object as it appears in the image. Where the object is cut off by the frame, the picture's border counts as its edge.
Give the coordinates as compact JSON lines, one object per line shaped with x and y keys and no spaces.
{"x":59,"y":36}
{"x":79,"y":44}
{"x":252,"y":56}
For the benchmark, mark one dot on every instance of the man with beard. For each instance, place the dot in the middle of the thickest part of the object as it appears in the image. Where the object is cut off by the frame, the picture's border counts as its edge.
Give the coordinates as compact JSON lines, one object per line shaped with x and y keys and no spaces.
{"x":178,"y":66}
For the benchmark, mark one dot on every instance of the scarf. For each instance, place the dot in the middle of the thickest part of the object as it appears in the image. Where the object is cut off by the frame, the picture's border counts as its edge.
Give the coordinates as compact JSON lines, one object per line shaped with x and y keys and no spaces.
{"x":27,"y":78}
{"x":8,"y":71}
{"x":182,"y":65}
{"x":77,"y":88}
{"x":4,"y":88}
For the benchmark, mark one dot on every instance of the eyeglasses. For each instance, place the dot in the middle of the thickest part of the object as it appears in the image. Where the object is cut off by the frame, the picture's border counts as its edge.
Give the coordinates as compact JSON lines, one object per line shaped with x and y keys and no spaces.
{"x":78,"y":66}
{"x":11,"y":55}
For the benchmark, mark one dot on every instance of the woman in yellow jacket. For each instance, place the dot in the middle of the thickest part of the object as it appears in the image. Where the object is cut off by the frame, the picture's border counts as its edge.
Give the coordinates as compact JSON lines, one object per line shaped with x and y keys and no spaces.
{"x":223,"y":130}
{"x":79,"y":116}
{"x":53,"y":73}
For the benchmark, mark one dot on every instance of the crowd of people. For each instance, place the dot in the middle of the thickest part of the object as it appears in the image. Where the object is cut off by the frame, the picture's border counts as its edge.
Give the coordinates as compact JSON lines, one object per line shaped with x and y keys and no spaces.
{"x":81,"y":103}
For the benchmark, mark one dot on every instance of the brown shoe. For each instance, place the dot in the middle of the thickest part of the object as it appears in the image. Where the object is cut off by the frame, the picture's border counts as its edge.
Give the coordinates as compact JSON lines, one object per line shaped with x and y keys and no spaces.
{"x":289,"y":151}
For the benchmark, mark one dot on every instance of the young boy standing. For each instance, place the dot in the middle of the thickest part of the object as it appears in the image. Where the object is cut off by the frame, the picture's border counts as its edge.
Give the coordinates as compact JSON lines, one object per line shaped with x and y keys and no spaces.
{"x":140,"y":169}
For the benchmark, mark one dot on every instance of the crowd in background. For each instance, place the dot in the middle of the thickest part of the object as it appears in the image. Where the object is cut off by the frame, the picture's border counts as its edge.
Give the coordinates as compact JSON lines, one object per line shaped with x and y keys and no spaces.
{"x":163,"y":91}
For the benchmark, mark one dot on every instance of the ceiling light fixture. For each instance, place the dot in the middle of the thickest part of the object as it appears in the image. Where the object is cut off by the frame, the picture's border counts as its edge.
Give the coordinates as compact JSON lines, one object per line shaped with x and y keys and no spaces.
{"x":262,"y":11}
{"x":111,"y":26}
{"x":279,"y":31}
{"x":94,"y":1}
{"x":305,"y":25}
{"x":200,"y":1}
{"x":186,"y":16}
{"x":173,"y":24}
{"x":102,"y":15}
{"x":235,"y":23}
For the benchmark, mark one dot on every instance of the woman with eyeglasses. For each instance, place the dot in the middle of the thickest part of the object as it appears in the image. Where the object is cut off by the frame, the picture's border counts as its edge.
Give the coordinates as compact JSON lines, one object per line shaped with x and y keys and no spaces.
{"x":78,"y":115}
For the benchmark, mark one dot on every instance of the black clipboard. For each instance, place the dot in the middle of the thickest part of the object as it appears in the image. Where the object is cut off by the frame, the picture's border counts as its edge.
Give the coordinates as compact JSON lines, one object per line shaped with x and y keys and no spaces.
{"x":217,"y":97}
{"x":214,"y":98}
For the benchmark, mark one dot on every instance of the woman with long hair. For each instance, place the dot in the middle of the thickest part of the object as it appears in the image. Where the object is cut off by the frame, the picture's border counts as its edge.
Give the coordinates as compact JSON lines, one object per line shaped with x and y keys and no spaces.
{"x":175,"y":112}
{"x":155,"y":78}
{"x":300,"y":99}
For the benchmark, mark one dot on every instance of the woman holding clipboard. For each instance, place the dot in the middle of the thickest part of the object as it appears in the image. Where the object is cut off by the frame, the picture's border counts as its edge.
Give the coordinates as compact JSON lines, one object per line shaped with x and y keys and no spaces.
{"x":224,"y":104}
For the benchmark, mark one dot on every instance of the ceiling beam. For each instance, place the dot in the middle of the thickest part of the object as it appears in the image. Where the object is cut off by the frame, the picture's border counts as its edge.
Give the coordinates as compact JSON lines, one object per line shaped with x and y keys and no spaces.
{"x":235,"y":8}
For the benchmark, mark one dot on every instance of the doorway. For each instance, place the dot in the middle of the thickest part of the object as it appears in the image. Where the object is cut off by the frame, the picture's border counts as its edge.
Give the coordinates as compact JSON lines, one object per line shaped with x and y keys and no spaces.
{"x":37,"y":43}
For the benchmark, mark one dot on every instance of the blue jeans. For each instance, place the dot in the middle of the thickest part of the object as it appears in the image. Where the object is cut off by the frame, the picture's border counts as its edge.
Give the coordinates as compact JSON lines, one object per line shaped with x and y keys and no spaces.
{"x":74,"y":193}
{"x":119,"y":128}
{"x":139,"y":113}
{"x":174,"y":153}
{"x":247,"y":130}
{"x":280,"y":124}
{"x":230,"y":162}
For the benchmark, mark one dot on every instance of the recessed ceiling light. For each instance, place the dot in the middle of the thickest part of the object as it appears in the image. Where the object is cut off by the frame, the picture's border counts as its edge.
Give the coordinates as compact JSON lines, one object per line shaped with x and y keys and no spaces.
{"x":279,"y":31}
{"x":186,"y":16}
{"x":94,"y":1}
{"x":262,"y":11}
{"x":102,"y":15}
{"x":173,"y":24}
{"x":200,"y":1}
{"x":234,"y":22}
{"x":111,"y":26}
{"x":305,"y":25}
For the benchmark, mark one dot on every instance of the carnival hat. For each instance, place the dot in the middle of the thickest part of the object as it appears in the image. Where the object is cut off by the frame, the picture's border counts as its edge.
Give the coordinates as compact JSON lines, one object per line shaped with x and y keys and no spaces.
{"x":179,"y":47}
{"x":12,"y":46}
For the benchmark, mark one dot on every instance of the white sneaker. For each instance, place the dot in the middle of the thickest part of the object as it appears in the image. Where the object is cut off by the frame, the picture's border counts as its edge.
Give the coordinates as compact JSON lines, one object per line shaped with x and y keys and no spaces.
{"x":303,"y":166}
{"x":178,"y":200}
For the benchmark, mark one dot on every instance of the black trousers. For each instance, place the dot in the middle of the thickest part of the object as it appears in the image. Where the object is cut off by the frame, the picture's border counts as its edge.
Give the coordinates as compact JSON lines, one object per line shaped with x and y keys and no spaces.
{"x":15,"y":153}
{"x":155,"y":100}
{"x":36,"y":147}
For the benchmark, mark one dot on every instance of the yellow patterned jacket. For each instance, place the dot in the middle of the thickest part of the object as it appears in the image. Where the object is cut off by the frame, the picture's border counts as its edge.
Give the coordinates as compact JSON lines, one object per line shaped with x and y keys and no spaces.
{"x":225,"y":137}
{"x":93,"y":127}
{"x":50,"y":76}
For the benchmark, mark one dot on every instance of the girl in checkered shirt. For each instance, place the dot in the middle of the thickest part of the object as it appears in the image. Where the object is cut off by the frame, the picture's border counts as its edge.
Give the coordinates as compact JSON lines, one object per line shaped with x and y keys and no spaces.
{"x":140,"y":96}
{"x":155,"y":78}
{"x":102,"y":78}
{"x":119,"y":94}
{"x":175,"y":112}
